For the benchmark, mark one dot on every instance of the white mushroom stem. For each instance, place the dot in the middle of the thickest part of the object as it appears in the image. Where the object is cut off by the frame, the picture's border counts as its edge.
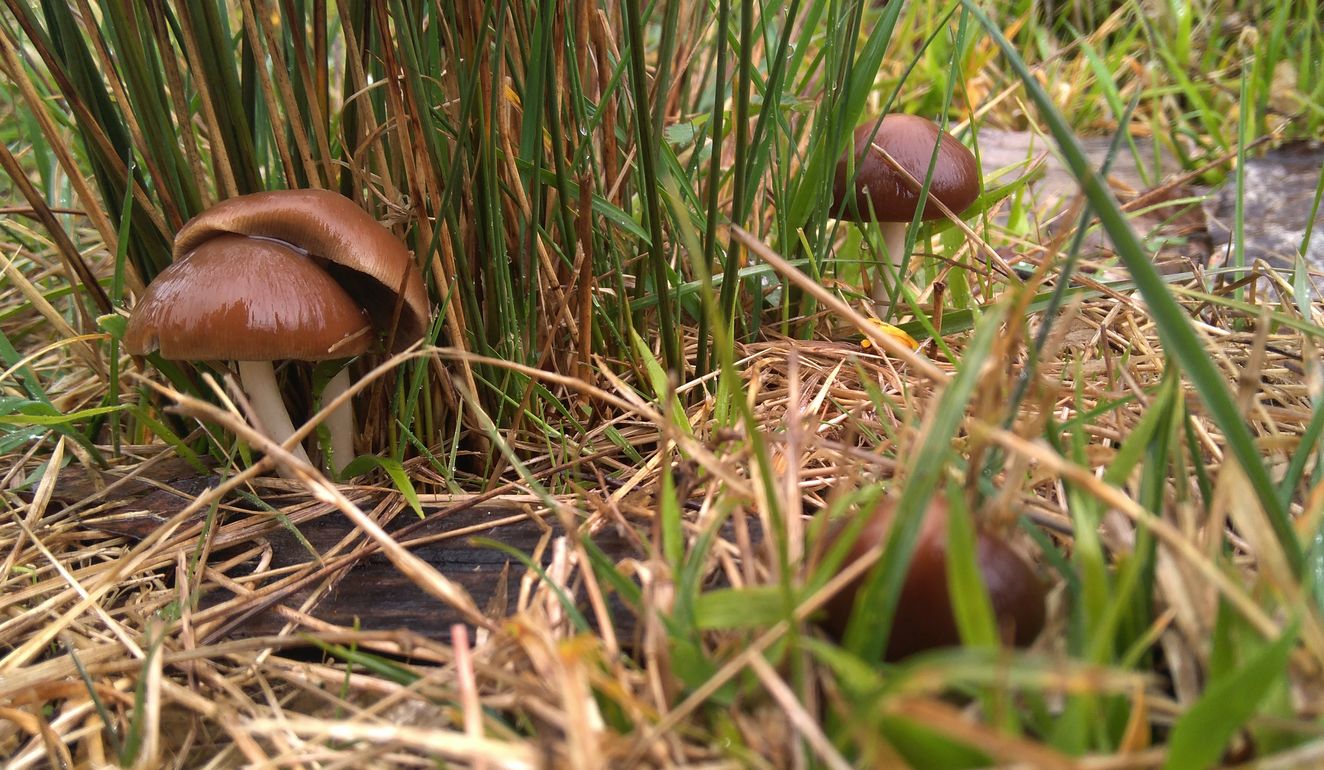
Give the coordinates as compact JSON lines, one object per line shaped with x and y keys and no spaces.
{"x":340,"y":423}
{"x":259,"y":381}
{"x":894,"y":238}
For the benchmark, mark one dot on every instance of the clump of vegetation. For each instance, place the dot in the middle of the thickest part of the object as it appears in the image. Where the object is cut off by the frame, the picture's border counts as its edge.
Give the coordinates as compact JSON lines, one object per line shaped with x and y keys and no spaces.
{"x":591,"y":523}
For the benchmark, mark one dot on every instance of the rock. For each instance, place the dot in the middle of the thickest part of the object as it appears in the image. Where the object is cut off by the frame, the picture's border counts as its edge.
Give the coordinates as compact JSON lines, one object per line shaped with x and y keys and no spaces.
{"x":1279,"y":190}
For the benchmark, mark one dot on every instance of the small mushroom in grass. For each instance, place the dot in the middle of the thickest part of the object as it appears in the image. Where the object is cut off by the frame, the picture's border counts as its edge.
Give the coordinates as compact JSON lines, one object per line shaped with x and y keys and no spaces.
{"x":292,"y":274}
{"x":876,"y":192}
{"x":924,"y":618}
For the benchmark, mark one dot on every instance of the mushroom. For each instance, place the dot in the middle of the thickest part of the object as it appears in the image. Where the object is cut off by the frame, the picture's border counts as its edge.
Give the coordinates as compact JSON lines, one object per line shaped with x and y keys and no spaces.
{"x":924,"y":618}
{"x":361,"y":259}
{"x":878,"y":192}
{"x":253,"y":302}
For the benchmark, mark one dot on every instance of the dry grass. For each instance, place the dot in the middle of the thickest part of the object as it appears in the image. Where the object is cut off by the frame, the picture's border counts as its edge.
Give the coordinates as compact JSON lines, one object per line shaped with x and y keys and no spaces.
{"x":107,"y":645}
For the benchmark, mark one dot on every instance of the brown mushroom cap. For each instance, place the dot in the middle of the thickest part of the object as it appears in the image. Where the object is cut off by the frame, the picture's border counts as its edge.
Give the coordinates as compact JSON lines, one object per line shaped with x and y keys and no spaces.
{"x":924,"y":618}
{"x":877,"y":187}
{"x":246,"y":299}
{"x":371,"y":263}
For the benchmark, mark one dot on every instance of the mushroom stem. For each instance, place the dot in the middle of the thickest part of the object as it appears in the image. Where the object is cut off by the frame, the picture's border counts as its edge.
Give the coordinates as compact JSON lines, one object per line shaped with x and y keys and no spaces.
{"x":894,"y":239}
{"x":340,"y":423}
{"x":259,"y":381}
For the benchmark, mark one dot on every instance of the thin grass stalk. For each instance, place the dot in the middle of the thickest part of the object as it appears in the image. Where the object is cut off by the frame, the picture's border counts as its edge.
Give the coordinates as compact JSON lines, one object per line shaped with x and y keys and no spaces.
{"x":762,"y":144}
{"x":300,"y":85}
{"x":654,"y":252}
{"x":423,"y":148}
{"x":321,"y":59}
{"x":1064,"y":276}
{"x":539,"y":76}
{"x":740,"y":123}
{"x":1239,"y":202}
{"x":583,"y":274}
{"x":847,"y":91}
{"x":663,"y":71}
{"x":13,"y":67}
{"x":211,"y":28}
{"x":117,"y":285}
{"x":502,"y":317}
{"x":718,"y":130}
{"x":360,"y":128}
{"x":617,"y":320}
{"x":771,"y":111}
{"x":77,"y":269}
{"x":231,"y":177}
{"x":310,"y":96}
{"x":470,"y":76}
{"x":182,"y":115}
{"x":601,"y":37}
{"x":568,"y":240}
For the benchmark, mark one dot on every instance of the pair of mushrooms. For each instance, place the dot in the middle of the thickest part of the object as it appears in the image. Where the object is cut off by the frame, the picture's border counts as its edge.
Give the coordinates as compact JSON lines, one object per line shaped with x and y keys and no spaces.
{"x":876,"y":191}
{"x":301,"y":275}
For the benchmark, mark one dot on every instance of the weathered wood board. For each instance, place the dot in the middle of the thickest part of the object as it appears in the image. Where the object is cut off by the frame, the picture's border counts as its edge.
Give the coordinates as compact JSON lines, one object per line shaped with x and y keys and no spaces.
{"x":366,"y":590}
{"x":370,"y":593}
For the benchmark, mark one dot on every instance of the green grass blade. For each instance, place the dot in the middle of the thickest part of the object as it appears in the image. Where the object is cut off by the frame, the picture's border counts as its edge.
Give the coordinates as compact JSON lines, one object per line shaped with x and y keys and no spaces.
{"x":1199,"y":737}
{"x":364,"y":463}
{"x":655,"y":254}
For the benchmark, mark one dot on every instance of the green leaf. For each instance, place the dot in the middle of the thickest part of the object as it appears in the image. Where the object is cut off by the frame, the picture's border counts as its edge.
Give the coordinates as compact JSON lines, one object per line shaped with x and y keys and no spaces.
{"x":113,"y":324}
{"x":56,"y":419}
{"x":925,"y":747}
{"x":1199,"y":737}
{"x":751,"y":607}
{"x":686,"y":132}
{"x":969,"y":594}
{"x":673,"y":525}
{"x":363,"y":463}
{"x":657,"y":378}
{"x":163,"y":431}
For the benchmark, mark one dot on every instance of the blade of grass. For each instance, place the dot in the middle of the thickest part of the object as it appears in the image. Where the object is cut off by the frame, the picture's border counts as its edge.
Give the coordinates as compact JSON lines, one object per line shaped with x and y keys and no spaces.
{"x":1199,"y":737}
{"x":654,"y":251}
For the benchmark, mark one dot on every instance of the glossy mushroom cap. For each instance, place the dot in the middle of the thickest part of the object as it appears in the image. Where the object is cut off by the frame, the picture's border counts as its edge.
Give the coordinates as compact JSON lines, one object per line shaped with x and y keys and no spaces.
{"x":371,"y":263}
{"x":924,"y":619}
{"x":244,"y":299}
{"x":879,"y":189}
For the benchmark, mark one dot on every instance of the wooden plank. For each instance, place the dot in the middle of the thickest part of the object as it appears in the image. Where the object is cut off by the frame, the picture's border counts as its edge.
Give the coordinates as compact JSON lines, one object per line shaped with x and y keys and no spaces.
{"x":369,"y":593}
{"x":365,"y":589}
